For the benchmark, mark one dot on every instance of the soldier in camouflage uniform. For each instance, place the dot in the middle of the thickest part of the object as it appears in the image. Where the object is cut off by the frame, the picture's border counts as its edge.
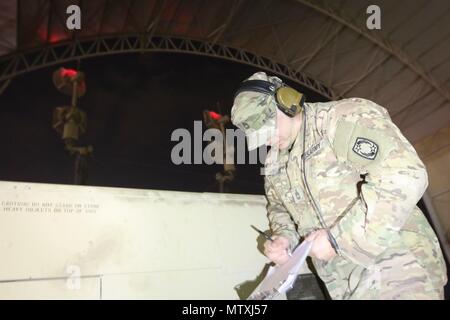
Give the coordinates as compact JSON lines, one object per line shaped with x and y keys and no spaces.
{"x":365,"y":178}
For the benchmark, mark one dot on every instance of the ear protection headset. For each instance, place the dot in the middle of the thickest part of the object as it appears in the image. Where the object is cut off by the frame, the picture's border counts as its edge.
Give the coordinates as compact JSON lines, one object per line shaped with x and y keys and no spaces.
{"x":287,"y":99}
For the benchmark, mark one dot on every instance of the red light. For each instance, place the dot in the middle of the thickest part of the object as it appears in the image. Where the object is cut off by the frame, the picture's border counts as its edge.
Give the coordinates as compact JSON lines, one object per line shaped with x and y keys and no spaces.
{"x":214,"y":115}
{"x":52,"y":37}
{"x":68,"y":72}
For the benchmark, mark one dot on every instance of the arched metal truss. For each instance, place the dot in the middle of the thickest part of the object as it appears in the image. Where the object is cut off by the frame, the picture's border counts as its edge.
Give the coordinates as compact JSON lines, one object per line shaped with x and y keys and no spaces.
{"x":22,"y":62}
{"x":391,"y":49}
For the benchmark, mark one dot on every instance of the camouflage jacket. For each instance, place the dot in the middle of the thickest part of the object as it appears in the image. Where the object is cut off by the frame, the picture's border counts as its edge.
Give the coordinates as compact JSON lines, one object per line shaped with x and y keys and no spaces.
{"x":376,"y":221}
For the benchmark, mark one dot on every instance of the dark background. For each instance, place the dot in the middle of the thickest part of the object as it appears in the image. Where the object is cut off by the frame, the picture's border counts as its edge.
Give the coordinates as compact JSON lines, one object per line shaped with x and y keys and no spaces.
{"x":133,"y":103}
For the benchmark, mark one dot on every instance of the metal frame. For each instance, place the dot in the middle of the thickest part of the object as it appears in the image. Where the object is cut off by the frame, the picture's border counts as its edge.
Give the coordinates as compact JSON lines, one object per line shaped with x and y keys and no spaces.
{"x":23,"y":62}
{"x":393,"y":51}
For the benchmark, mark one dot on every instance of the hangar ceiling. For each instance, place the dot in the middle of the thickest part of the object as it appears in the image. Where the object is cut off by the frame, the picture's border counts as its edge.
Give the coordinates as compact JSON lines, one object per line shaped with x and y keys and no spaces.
{"x":325,"y":44}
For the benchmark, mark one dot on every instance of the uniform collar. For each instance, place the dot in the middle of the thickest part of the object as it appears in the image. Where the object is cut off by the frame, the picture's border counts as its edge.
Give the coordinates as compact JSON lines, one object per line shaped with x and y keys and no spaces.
{"x":297,"y":147}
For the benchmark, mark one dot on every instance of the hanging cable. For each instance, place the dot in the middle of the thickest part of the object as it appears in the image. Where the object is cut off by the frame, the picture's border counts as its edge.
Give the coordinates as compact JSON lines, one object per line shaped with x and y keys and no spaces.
{"x":313,"y":201}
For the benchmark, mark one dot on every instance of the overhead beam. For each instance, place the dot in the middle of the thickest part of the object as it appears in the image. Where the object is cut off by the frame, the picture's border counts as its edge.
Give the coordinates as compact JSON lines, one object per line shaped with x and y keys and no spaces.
{"x":23,"y":62}
{"x":218,"y":33}
{"x":384,"y":44}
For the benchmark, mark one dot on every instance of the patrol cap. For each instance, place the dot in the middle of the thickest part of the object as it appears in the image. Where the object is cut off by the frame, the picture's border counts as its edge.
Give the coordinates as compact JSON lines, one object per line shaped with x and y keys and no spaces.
{"x":255,"y":113}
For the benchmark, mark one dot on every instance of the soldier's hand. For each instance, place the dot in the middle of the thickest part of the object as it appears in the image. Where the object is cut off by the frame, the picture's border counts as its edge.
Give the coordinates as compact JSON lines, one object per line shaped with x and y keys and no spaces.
{"x":321,"y":248}
{"x":277,"y":250}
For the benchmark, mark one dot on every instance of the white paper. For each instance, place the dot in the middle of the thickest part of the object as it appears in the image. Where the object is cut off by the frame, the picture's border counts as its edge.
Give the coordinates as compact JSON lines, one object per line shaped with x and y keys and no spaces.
{"x":280,"y":279}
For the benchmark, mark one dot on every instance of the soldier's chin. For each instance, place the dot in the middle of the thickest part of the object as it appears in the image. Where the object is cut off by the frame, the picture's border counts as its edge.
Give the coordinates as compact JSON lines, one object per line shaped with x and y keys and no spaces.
{"x":283,"y":145}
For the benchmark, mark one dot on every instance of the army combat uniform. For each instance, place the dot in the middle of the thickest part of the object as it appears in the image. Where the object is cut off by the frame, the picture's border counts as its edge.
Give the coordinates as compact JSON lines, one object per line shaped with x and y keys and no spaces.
{"x":366,"y":180}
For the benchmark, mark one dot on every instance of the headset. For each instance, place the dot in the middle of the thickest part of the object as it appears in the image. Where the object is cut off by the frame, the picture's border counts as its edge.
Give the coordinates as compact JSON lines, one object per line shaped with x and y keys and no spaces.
{"x":288,"y":100}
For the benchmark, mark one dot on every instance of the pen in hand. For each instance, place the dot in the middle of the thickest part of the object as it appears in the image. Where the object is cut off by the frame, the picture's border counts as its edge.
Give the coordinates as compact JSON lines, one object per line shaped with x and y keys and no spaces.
{"x":262,"y":233}
{"x":265,"y":235}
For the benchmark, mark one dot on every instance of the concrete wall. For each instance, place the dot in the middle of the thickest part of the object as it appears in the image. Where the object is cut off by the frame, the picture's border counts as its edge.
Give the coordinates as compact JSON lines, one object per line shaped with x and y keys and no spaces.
{"x":72,"y":242}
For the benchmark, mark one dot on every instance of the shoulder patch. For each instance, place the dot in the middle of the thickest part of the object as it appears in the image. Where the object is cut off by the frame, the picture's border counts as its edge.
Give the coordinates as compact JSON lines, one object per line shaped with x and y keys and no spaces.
{"x":364,"y":143}
{"x":365,"y":148}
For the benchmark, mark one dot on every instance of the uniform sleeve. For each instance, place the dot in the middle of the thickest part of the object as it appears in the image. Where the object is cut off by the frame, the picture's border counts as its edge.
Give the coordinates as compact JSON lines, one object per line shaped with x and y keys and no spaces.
{"x":280,"y":220}
{"x":396,"y":180}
